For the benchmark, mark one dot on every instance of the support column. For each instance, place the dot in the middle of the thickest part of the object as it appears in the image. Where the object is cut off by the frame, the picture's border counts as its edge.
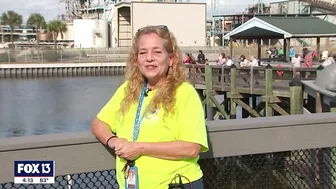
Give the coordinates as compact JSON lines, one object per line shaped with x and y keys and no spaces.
{"x":208,"y":86}
{"x":318,"y":48}
{"x":233,"y":92}
{"x":296,"y":96}
{"x":223,"y":32}
{"x":231,"y":48}
{"x":286,"y":47}
{"x":259,"y":49}
{"x":268,"y":90}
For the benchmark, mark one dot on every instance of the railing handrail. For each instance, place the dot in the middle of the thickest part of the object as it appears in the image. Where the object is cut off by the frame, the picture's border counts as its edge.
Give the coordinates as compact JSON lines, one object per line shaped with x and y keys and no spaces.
{"x":78,"y":138}
{"x":269,"y":122}
{"x":81,"y":152}
{"x":260,"y":68}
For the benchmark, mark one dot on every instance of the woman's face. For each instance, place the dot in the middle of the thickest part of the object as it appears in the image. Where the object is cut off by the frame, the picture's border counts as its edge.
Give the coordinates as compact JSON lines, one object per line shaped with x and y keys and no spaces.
{"x":153,"y":58}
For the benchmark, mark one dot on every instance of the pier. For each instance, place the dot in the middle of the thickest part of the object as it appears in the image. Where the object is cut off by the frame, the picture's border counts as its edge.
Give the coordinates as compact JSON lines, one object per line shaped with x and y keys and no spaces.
{"x":60,"y":70}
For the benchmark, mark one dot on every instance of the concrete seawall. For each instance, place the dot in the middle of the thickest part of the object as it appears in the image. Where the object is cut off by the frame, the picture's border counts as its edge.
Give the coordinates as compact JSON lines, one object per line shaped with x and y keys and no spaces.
{"x":60,"y":70}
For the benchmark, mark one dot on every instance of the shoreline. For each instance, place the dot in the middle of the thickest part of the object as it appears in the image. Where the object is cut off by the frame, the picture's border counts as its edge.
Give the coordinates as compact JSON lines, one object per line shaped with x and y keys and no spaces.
{"x":61,"y":65}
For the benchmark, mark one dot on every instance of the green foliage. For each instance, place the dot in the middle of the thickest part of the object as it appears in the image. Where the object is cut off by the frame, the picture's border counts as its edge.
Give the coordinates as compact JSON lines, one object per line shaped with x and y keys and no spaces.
{"x":57,"y":27}
{"x":5,"y":58}
{"x":11,"y":18}
{"x":37,"y":21}
{"x":51,"y":55}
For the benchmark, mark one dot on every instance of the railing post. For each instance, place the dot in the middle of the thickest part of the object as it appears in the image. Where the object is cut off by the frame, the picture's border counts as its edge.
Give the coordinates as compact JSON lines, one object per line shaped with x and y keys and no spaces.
{"x":268,"y":90}
{"x":333,"y":151}
{"x":319,"y":69}
{"x":208,"y":90}
{"x":296,"y":96}
{"x":333,"y":105}
{"x":233,"y":91}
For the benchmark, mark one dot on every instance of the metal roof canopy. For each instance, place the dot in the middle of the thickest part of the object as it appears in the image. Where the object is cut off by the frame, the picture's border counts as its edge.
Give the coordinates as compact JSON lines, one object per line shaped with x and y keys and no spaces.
{"x":283,"y":27}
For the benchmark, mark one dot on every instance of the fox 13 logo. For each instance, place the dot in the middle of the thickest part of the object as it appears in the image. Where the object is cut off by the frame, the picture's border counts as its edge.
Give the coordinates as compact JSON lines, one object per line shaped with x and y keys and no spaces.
{"x":34,"y":172}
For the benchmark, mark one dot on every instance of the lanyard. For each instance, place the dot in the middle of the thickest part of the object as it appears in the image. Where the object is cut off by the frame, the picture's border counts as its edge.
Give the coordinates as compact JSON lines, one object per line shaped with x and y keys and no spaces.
{"x":138,"y":120}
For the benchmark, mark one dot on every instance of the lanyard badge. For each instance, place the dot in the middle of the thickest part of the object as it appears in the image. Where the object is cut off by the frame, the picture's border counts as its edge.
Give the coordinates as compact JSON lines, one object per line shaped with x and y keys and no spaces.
{"x":132,"y":180}
{"x":130,"y":170}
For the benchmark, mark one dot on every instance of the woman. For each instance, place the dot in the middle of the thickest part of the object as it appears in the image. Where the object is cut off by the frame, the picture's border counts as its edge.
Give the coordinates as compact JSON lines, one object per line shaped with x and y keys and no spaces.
{"x":254,"y":62}
{"x":243,"y":61}
{"x":187,"y":59}
{"x":161,"y":139}
{"x":229,"y":61}
{"x":296,"y":62}
{"x":221,"y":59}
{"x":329,"y":60}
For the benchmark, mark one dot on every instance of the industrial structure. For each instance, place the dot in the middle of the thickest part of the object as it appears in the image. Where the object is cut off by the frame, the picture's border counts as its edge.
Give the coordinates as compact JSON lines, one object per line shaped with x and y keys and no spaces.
{"x":106,"y":23}
{"x":110,"y":23}
{"x":324,"y":9}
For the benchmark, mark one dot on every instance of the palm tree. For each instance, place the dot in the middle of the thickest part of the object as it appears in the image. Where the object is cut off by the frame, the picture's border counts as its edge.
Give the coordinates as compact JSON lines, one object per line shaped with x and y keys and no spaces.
{"x":11,"y":19}
{"x":57,"y":27}
{"x":36,"y":21}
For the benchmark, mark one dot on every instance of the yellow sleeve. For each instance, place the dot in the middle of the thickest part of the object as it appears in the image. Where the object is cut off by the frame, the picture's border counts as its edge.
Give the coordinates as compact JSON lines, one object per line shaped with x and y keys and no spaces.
{"x":191,"y":120}
{"x":108,"y":113}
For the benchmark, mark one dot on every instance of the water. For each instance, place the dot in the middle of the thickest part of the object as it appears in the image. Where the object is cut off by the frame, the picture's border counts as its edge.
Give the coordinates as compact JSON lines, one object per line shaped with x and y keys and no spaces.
{"x":52,"y":105}
{"x":55,"y":105}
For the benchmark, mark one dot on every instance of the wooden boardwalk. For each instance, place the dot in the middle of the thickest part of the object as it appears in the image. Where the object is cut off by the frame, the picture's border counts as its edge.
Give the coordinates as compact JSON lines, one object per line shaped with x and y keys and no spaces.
{"x":221,"y":78}
{"x":260,"y":91}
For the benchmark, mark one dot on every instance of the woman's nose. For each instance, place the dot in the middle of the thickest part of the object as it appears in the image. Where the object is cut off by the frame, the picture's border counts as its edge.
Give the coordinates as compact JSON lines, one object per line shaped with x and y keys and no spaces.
{"x":149,"y":57}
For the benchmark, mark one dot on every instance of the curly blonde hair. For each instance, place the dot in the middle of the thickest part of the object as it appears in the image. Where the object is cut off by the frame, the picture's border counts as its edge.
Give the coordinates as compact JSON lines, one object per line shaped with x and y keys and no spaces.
{"x":166,"y":91}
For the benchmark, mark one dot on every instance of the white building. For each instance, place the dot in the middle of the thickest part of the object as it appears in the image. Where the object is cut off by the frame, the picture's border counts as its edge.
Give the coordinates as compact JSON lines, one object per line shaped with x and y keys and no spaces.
{"x":186,"y":20}
{"x":116,"y":24}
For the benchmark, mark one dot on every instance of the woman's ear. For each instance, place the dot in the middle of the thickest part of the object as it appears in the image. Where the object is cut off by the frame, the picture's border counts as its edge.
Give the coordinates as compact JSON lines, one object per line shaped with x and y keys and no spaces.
{"x":171,"y":59}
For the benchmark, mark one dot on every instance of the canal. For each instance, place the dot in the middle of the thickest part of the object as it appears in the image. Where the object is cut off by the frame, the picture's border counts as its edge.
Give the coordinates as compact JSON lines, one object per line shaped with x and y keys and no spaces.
{"x":36,"y":106}
{"x":52,"y":105}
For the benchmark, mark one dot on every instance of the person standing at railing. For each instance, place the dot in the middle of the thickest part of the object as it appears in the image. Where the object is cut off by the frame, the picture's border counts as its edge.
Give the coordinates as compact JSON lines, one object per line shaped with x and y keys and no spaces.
{"x":308,"y":62}
{"x":296,"y":63}
{"x":228,"y":61}
{"x":329,"y":60}
{"x":221,"y":59}
{"x":187,"y":59}
{"x":243,"y":61}
{"x":201,"y":57}
{"x":291,"y":53}
{"x":147,"y":121}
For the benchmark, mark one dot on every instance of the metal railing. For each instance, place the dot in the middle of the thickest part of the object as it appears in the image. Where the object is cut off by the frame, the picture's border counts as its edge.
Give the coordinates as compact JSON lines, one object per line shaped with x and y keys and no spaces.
{"x":91,"y":55}
{"x":295,"y":151}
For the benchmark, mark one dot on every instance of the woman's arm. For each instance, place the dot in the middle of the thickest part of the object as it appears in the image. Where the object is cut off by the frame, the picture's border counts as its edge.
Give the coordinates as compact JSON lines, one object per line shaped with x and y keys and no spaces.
{"x":102,"y":131}
{"x":173,"y":150}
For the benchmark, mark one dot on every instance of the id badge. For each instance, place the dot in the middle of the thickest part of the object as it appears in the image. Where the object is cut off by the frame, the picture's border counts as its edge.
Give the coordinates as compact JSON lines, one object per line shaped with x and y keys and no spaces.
{"x":132,"y":180}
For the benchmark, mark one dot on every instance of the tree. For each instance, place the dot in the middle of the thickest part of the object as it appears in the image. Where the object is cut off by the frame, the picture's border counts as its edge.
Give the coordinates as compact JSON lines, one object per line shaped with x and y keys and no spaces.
{"x":37,"y":21}
{"x":57,"y":27}
{"x":11,"y":19}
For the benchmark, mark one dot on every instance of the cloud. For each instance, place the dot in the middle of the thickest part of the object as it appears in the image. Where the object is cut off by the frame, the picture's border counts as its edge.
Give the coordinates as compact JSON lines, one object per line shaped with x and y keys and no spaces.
{"x":50,"y":9}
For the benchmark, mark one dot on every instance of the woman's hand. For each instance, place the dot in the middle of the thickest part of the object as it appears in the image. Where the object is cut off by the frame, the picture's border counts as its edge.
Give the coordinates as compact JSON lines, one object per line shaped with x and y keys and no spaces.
{"x":116,"y":142}
{"x":128,"y":150}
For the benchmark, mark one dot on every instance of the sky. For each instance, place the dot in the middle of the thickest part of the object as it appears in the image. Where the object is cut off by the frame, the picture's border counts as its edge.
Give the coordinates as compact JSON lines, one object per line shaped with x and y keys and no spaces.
{"x":51,"y":8}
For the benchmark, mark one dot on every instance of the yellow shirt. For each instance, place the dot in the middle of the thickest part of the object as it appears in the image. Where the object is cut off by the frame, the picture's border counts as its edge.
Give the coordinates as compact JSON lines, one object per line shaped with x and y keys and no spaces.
{"x":187,"y":124}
